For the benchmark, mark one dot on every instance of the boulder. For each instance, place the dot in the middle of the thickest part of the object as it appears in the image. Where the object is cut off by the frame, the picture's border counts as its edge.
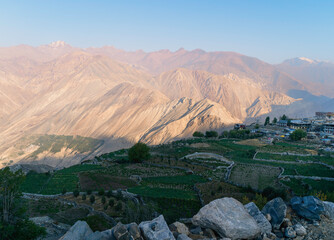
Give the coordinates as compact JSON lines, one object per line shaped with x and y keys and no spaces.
{"x":97,"y":236}
{"x":300,"y":230}
{"x":261,"y":220}
{"x":183,"y":237}
{"x":179,"y":228}
{"x":157,"y":229}
{"x":120,"y":232}
{"x":329,"y":209}
{"x":276,"y":208}
{"x":228,"y":218}
{"x":290,"y":232}
{"x":79,"y":231}
{"x":309,"y":207}
{"x":134,"y":231}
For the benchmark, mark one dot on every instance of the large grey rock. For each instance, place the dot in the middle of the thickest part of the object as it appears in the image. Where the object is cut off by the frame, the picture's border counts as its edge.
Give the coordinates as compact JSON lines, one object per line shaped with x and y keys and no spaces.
{"x":97,"y":236}
{"x":261,"y":220}
{"x":300,"y":230}
{"x":329,"y":209}
{"x":79,"y":231}
{"x":183,"y":237}
{"x":157,"y":229}
{"x":276,"y":208}
{"x":134,"y":231}
{"x":228,"y":218}
{"x":120,"y":232}
{"x":309,"y":207}
{"x":179,"y":228}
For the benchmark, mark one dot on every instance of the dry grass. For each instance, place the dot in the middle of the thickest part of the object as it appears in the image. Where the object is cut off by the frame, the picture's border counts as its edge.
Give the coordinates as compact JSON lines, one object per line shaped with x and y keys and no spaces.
{"x":252,"y":142}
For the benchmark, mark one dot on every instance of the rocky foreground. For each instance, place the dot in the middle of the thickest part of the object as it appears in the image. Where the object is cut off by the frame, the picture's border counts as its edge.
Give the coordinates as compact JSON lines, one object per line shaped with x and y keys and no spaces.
{"x":305,"y":218}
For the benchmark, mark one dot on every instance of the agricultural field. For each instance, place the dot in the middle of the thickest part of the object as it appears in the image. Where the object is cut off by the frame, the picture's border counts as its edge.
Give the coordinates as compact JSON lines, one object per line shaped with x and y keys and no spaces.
{"x":175,"y":185}
{"x":256,"y":176}
{"x":295,"y":158}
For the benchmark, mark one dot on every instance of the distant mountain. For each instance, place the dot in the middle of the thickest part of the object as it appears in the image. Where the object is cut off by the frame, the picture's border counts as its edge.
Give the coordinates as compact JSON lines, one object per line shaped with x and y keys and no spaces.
{"x":215,"y":62}
{"x":123,"y":97}
{"x":318,"y":76}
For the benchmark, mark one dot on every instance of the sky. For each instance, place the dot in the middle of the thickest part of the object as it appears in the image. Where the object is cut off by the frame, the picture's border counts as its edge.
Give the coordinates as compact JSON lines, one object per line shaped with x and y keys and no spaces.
{"x":271,"y":30}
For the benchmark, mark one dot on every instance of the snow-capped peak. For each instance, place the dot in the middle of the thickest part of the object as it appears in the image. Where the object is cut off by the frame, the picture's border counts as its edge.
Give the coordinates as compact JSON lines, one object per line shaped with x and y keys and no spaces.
{"x":57,"y":44}
{"x":306,"y":59}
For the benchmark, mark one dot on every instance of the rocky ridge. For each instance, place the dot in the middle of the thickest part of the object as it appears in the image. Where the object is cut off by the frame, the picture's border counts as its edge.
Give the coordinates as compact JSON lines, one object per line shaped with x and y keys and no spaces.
{"x":303,"y":218}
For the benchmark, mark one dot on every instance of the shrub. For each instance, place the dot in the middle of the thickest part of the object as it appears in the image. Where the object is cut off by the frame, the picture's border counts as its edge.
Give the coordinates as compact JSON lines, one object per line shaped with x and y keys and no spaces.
{"x":76,"y":193}
{"x":83,"y":197}
{"x":119,"y":195}
{"x":198,"y":134}
{"x":260,"y":200}
{"x":118,"y":206}
{"x":21,"y":230}
{"x":109,"y":193}
{"x":322,"y":196}
{"x":103,"y":200}
{"x":92,"y":199}
{"x":101,"y":192}
{"x":245,"y":200}
{"x":111,"y":202}
{"x":89,"y":192}
{"x":271,"y":193}
{"x":139,"y":152}
{"x":97,"y":223}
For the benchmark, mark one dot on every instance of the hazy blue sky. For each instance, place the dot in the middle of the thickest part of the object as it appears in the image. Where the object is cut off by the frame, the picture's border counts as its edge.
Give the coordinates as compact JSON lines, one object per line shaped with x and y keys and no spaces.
{"x":272,"y":30}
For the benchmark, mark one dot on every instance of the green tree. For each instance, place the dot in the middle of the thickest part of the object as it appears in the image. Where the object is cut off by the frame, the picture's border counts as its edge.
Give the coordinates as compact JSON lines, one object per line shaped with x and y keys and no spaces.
{"x":257,"y":126}
{"x":274,"y":120}
{"x":198,"y":134}
{"x":267,"y":121}
{"x":211,"y":134}
{"x":139,"y":152}
{"x":76,"y":193}
{"x":9,"y":191}
{"x":284,"y":117}
{"x":13,"y":222}
{"x":298,"y":135}
{"x":101,"y":192}
{"x":83,"y":197}
{"x":103,"y":200}
{"x":92,"y":199}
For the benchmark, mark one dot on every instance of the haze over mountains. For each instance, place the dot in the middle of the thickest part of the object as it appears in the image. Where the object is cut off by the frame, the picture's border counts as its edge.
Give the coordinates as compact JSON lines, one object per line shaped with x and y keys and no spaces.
{"x":123,"y":97}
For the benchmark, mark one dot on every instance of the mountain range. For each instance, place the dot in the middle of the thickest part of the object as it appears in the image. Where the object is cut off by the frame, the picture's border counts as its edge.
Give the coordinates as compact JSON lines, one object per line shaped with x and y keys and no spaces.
{"x":123,"y":97}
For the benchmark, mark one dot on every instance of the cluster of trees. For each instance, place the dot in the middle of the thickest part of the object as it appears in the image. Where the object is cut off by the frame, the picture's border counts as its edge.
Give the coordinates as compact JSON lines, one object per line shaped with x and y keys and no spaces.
{"x":274,"y":121}
{"x":208,"y":134}
{"x":240,"y":134}
{"x":14,"y":224}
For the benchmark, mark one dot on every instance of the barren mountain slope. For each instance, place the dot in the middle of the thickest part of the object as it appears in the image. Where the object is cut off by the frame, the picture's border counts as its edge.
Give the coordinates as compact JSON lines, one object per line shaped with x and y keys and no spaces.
{"x":240,"y":96}
{"x":186,"y":116}
{"x":94,"y":96}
